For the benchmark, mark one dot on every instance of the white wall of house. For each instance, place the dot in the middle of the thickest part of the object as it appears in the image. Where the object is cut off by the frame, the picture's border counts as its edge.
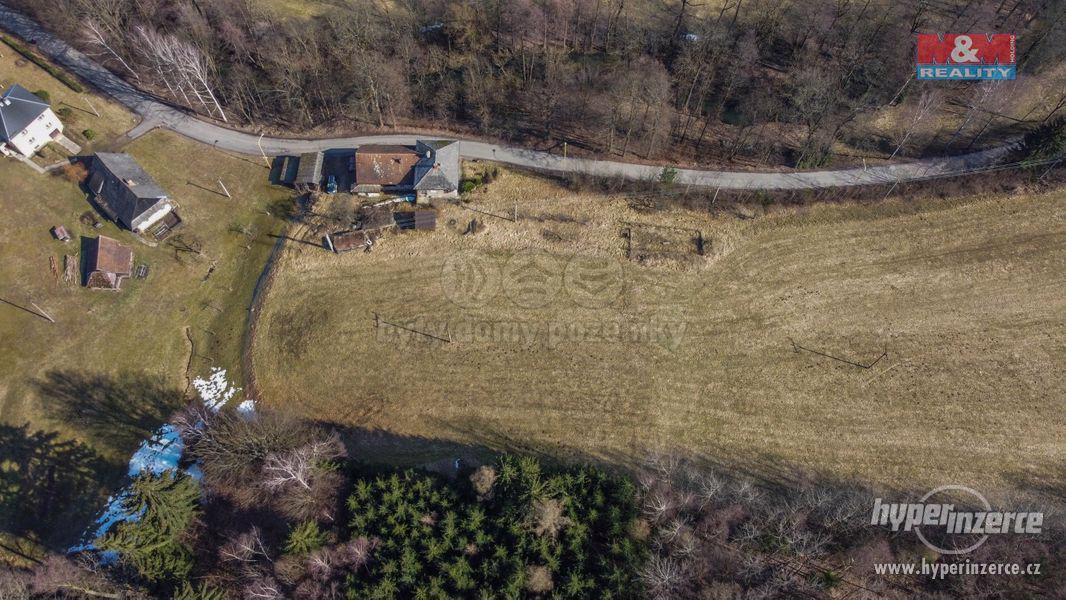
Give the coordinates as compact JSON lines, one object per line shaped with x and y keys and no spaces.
{"x":153,"y":218}
{"x":37,"y":134}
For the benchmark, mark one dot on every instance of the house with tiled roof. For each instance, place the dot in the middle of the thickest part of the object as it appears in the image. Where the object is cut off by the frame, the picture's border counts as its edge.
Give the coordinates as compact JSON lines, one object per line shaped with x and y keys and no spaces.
{"x":429,"y":169}
{"x":27,"y":123}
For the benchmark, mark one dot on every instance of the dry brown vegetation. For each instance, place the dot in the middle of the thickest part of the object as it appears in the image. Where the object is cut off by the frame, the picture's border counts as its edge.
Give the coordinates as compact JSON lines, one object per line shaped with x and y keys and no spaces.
{"x":965,"y":296}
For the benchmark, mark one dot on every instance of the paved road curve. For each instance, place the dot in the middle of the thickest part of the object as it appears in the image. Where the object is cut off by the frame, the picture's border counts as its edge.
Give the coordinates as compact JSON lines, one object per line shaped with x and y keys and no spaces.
{"x":158,"y":114}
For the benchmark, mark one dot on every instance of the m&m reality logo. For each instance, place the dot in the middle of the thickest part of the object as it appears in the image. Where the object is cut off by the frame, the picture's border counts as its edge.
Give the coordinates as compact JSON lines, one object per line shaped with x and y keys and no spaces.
{"x":966,"y":56}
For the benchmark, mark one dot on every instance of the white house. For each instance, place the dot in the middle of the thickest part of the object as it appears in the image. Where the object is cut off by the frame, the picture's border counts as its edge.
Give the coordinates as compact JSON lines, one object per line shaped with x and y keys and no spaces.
{"x":27,"y":123}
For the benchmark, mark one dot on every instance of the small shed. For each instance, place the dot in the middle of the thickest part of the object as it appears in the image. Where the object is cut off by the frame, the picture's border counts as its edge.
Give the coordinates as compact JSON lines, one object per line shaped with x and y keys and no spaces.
{"x":60,"y":233}
{"x":109,"y":262}
{"x":425,"y":220}
{"x":287,"y":169}
{"x":309,"y":172}
{"x":345,"y":241}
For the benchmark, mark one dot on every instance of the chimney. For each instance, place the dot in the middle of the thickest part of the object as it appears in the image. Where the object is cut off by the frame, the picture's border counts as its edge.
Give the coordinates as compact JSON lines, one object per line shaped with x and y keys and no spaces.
{"x":131,"y":182}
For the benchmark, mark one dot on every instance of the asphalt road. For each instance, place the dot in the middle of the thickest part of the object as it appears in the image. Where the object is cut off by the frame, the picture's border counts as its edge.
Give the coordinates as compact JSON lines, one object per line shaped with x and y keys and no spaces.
{"x":158,"y":114}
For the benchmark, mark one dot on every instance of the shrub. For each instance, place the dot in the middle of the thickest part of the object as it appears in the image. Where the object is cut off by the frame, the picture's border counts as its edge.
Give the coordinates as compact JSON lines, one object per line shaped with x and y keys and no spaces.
{"x":65,"y":112}
{"x":43,"y":95}
{"x":74,"y":172}
{"x":468,"y":186}
{"x":668,"y":175}
{"x":89,"y":134}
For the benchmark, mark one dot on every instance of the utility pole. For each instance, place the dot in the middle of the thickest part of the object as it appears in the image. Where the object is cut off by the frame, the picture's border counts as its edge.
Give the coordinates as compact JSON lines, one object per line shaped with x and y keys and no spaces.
{"x":224,"y":190}
{"x":42,"y":313}
{"x":95,"y":112}
{"x":260,"y":143}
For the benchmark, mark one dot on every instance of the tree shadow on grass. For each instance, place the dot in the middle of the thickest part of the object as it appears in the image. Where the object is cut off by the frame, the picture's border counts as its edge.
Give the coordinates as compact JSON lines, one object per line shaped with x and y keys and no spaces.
{"x":117,"y":412}
{"x":50,"y":487}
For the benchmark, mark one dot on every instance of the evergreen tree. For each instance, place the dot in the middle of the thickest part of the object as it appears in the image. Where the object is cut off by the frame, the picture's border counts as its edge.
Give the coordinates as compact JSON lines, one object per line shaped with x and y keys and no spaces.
{"x":1046,"y":142}
{"x":305,"y":538}
{"x":162,"y":506}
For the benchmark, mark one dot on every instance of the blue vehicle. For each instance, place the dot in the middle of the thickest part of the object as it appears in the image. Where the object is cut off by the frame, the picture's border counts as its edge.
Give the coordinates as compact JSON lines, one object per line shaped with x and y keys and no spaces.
{"x":331,"y":185}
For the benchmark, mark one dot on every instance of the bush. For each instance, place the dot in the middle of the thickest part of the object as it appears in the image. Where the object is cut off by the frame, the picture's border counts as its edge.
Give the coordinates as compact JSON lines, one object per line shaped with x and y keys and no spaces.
{"x":89,"y":134}
{"x":74,"y":172}
{"x":668,"y":175}
{"x":468,"y":185}
{"x":43,"y":95}
{"x":65,"y":112}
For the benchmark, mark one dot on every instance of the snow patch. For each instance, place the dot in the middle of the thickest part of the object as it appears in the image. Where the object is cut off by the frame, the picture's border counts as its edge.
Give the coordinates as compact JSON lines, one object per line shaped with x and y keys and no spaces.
{"x":162,"y":453}
{"x":216,"y":390}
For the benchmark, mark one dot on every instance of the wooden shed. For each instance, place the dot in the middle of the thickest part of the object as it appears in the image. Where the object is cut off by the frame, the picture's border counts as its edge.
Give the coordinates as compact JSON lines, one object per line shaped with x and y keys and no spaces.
{"x":425,"y":220}
{"x":345,"y":241}
{"x":309,"y":172}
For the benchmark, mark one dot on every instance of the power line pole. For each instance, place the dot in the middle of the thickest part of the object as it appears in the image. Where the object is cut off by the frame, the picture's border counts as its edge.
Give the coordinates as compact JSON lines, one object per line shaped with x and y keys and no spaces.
{"x":224,"y":190}
{"x":260,"y":143}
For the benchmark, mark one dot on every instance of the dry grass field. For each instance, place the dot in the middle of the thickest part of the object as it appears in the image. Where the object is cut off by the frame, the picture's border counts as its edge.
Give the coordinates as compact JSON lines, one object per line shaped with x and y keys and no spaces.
{"x":114,"y":364}
{"x":557,"y":342}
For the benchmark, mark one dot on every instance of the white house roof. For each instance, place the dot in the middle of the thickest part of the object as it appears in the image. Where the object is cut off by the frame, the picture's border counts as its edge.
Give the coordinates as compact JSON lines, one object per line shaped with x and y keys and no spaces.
{"x":18,"y":108}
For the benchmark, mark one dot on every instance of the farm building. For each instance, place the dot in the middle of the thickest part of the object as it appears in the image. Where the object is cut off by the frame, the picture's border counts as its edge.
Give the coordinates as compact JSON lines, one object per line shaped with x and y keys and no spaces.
{"x":429,"y":169}
{"x":309,"y":172}
{"x":344,"y":241}
{"x":27,"y":124}
{"x":425,"y":220}
{"x":108,"y":263}
{"x":129,"y":196}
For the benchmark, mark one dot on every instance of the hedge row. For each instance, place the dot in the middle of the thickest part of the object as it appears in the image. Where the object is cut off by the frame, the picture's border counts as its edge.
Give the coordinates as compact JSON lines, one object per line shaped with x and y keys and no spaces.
{"x":53,"y":70}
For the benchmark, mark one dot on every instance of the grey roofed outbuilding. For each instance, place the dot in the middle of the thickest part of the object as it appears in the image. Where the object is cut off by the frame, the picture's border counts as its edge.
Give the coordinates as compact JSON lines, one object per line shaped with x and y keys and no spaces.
{"x":19,"y":108}
{"x":123,"y":189}
{"x":309,"y":171}
{"x":438,"y":169}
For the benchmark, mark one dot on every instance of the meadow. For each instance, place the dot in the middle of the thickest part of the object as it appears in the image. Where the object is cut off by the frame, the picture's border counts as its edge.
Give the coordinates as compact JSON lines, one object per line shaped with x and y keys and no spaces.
{"x":581,"y":332}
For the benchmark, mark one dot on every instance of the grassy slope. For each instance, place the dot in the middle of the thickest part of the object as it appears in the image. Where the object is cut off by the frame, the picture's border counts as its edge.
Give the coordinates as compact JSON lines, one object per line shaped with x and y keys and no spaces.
{"x":965,"y":296}
{"x":114,"y":365}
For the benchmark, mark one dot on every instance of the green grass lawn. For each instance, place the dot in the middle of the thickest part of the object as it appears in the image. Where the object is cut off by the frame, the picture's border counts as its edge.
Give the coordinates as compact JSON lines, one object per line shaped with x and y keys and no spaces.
{"x":114,"y":365}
